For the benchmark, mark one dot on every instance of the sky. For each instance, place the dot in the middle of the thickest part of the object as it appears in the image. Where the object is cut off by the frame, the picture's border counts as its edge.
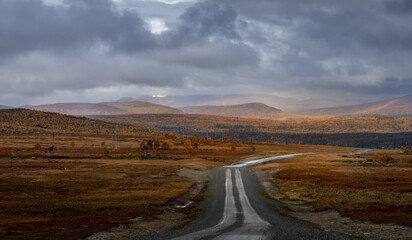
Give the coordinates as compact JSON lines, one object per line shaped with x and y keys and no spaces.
{"x":343,"y":52}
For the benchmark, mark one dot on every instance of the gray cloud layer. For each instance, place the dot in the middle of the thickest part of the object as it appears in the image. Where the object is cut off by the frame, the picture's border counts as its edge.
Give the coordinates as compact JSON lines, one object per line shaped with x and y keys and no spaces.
{"x":29,"y":25}
{"x":284,"y":47}
{"x":336,"y":46}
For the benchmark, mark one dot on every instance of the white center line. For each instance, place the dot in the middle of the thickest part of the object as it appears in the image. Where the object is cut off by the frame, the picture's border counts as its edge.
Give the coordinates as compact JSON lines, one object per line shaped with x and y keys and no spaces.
{"x":253,"y":227}
{"x":229,"y":213}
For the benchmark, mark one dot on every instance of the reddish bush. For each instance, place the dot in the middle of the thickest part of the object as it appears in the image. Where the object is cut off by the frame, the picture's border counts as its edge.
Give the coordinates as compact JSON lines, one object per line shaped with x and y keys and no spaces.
{"x":405,"y":160}
{"x":37,"y":146}
{"x":156,"y":144}
{"x":4,"y":152}
{"x":383,"y":158}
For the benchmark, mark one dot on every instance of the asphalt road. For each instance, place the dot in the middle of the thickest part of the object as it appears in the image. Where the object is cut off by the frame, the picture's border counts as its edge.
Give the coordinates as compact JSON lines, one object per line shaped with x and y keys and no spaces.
{"x":236,"y":209}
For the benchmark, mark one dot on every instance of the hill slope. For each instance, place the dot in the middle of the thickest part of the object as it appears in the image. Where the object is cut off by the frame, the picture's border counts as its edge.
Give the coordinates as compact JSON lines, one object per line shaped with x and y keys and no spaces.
{"x":140,"y":107}
{"x":108,"y":108}
{"x":230,"y":99}
{"x":399,"y":107}
{"x":248,"y":110}
{"x":24,"y":121}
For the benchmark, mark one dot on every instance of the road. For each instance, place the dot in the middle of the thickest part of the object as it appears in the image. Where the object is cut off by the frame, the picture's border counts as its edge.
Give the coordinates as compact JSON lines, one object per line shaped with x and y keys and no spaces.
{"x":236,"y":209}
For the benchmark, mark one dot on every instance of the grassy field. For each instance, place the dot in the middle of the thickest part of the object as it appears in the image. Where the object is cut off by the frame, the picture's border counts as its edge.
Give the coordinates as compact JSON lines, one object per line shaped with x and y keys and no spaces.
{"x":375,"y":187}
{"x":70,"y":199}
{"x":81,"y":188}
{"x":46,"y":197}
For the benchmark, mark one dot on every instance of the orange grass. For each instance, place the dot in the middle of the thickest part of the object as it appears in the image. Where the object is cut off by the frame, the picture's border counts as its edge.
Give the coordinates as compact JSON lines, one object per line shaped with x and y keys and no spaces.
{"x":351,"y":185}
{"x":40,"y":200}
{"x":72,"y":198}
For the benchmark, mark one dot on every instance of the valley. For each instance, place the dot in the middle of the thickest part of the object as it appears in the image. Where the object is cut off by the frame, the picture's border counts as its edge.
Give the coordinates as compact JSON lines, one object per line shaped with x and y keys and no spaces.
{"x":369,"y":132}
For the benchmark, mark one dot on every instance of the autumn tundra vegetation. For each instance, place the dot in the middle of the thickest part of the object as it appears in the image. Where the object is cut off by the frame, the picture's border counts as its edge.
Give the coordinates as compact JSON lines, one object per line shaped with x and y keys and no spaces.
{"x":65,"y":177}
{"x":373,"y":186}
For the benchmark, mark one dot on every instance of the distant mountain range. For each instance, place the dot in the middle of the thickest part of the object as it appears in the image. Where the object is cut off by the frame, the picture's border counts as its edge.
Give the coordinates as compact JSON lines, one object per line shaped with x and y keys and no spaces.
{"x":399,"y":107}
{"x":108,"y":108}
{"x":286,"y":104}
{"x":248,"y":110}
{"x":4,"y":107}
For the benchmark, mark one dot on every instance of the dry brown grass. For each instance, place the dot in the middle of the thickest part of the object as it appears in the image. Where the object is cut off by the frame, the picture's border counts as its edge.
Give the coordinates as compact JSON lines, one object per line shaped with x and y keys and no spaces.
{"x":39,"y":196}
{"x":210,"y":123}
{"x":71,"y":198}
{"x":349,"y":184}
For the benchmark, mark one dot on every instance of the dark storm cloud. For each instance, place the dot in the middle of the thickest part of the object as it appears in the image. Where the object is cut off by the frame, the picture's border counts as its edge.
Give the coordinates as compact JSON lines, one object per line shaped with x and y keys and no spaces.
{"x":28,"y":25}
{"x":399,"y":6}
{"x":198,"y":23}
{"x":341,"y":24}
{"x":205,"y":19}
{"x":346,"y":43}
{"x":90,"y":44}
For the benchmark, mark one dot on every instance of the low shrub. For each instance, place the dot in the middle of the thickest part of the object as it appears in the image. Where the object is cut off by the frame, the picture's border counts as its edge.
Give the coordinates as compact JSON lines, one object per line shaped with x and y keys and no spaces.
{"x":384,"y":158}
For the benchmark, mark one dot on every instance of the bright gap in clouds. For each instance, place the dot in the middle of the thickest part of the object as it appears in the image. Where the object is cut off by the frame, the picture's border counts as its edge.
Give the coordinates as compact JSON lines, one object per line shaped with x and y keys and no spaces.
{"x":161,"y":1}
{"x":165,"y":1}
{"x":60,"y":2}
{"x":53,"y":2}
{"x":157,"y":25}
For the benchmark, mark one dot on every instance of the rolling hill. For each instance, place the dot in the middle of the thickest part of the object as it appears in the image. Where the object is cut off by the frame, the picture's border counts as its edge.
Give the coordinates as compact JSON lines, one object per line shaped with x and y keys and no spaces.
{"x":24,"y":121}
{"x":399,"y":107}
{"x":107,"y":108}
{"x":140,"y":107}
{"x":248,"y":110}
{"x":230,"y":99}
{"x":4,"y":107}
{"x":287,"y":104}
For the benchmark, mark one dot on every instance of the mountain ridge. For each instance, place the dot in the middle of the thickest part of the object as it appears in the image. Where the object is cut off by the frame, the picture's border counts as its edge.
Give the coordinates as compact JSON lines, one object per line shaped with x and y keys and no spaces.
{"x":105,"y":108}
{"x":248,"y":110}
